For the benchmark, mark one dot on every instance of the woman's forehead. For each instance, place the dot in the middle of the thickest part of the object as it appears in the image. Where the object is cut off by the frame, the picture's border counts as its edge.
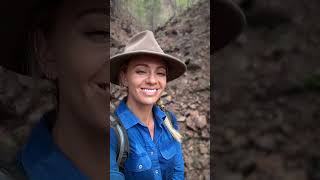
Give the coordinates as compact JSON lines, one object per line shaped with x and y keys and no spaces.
{"x":85,"y":3}
{"x":84,"y":7}
{"x":148,"y":61}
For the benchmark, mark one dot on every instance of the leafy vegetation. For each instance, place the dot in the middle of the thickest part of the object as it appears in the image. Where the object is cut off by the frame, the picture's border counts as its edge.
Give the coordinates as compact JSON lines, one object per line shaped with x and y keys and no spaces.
{"x":153,"y":13}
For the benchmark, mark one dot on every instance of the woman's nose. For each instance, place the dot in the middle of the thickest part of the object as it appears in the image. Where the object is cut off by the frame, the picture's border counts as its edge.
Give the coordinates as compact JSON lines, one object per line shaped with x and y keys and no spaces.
{"x":152,"y":78}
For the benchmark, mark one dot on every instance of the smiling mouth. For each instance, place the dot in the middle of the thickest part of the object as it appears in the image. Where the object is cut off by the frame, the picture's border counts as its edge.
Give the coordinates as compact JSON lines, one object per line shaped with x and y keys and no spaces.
{"x":149,"y":90}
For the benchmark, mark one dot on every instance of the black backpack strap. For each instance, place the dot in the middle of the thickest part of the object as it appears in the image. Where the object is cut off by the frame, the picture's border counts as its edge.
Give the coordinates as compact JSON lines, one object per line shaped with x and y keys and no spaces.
{"x":123,"y":141}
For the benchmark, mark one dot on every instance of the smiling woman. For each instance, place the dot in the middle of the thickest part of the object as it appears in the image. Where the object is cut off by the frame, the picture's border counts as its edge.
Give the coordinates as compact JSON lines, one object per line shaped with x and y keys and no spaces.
{"x":145,"y":77}
{"x":68,"y":43}
{"x":154,"y":141}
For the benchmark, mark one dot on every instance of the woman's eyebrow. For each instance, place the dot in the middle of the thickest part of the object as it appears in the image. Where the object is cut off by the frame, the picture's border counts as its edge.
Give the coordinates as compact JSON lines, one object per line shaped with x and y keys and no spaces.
{"x":164,"y":67}
{"x":99,"y":11}
{"x":141,"y":65}
{"x":148,"y":66}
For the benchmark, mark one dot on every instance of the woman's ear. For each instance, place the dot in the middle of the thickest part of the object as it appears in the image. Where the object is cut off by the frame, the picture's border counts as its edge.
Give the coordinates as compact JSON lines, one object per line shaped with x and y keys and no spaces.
{"x":44,"y":55}
{"x":123,"y":79}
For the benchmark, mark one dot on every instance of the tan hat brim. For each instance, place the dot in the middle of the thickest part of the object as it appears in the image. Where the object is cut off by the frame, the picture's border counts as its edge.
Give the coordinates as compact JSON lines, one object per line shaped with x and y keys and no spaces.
{"x":176,"y":67}
{"x":228,"y":23}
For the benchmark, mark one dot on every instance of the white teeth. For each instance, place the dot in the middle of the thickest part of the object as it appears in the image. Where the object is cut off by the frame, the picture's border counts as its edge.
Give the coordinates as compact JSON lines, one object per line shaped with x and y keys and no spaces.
{"x":149,"y":90}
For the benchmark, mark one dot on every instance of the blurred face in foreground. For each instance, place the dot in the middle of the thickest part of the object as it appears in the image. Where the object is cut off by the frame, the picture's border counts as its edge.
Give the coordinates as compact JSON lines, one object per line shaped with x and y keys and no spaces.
{"x":75,"y":52}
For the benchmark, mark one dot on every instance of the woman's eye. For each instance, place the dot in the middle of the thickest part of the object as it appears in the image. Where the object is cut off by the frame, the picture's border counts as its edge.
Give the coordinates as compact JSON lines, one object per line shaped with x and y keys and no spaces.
{"x":140,"y":72}
{"x":161,"y":74}
{"x":99,"y":36}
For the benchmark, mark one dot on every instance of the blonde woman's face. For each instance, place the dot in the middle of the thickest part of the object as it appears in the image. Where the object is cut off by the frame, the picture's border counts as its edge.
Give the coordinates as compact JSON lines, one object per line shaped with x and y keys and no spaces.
{"x":77,"y":53}
{"x":146,"y":79}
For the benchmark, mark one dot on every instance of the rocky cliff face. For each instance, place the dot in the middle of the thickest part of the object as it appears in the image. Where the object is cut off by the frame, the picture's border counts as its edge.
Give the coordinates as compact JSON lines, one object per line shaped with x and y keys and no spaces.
{"x":266,"y":95}
{"x":22,"y":102}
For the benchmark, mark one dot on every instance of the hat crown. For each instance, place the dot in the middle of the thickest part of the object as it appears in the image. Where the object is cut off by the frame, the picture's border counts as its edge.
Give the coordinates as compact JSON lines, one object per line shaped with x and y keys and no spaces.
{"x":143,"y":41}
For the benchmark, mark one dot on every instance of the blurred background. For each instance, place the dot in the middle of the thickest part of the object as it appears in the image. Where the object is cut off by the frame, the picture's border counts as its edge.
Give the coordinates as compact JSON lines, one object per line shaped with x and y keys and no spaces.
{"x":182,"y":28}
{"x":266,"y":88}
{"x":23,"y":101}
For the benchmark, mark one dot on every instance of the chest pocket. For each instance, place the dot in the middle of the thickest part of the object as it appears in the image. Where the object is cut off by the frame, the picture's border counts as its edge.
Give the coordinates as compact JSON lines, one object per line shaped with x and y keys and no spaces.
{"x":168,"y":150}
{"x":138,"y":162}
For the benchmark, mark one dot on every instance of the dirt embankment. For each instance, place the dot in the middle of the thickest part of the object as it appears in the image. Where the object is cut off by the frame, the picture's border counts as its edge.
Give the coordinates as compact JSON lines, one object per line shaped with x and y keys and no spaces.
{"x":267,"y":95}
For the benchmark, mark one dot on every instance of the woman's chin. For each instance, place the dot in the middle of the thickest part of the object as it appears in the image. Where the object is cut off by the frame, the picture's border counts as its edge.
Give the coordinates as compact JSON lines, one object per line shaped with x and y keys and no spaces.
{"x":148,"y":100}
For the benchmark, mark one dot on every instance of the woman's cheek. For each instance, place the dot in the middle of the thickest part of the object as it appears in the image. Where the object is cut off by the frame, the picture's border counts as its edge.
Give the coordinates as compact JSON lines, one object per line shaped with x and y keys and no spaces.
{"x":136,"y":80}
{"x":86,"y":64}
{"x":164,"y":83}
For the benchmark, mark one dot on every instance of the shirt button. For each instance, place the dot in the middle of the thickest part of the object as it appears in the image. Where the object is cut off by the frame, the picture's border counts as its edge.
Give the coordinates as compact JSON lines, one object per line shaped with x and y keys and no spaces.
{"x":140,"y":166}
{"x":151,"y":152}
{"x":156,"y":171}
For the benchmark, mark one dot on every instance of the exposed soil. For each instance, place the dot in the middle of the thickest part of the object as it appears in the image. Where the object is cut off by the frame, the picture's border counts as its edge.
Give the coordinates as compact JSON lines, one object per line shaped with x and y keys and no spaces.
{"x":266,"y":95}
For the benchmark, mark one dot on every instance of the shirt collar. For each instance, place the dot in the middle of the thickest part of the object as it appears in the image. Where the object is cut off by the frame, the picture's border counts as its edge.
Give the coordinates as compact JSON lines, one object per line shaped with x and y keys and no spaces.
{"x":129,"y":119}
{"x":41,"y":158}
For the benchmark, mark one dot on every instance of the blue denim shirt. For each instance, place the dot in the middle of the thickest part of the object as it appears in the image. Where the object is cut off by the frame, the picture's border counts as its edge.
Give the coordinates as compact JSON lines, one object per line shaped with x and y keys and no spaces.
{"x":42,"y":159}
{"x":160,"y":158}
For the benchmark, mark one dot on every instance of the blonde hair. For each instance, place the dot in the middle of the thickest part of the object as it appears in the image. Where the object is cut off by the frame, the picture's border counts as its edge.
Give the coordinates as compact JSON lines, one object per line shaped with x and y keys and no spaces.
{"x":175,"y":133}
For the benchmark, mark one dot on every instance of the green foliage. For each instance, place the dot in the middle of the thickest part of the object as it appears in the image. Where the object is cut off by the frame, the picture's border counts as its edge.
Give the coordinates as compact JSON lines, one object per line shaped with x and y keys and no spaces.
{"x":153,"y":13}
{"x":181,"y":4}
{"x":161,"y":34}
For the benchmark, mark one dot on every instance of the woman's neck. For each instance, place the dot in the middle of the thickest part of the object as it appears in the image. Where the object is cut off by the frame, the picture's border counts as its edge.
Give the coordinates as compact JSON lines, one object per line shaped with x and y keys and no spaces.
{"x":142,"y":111}
{"x":79,"y":142}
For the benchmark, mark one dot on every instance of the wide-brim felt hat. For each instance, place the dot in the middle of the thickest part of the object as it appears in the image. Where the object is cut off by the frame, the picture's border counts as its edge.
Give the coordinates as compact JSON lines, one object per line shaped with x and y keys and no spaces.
{"x":144,"y":43}
{"x":228,"y":22}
